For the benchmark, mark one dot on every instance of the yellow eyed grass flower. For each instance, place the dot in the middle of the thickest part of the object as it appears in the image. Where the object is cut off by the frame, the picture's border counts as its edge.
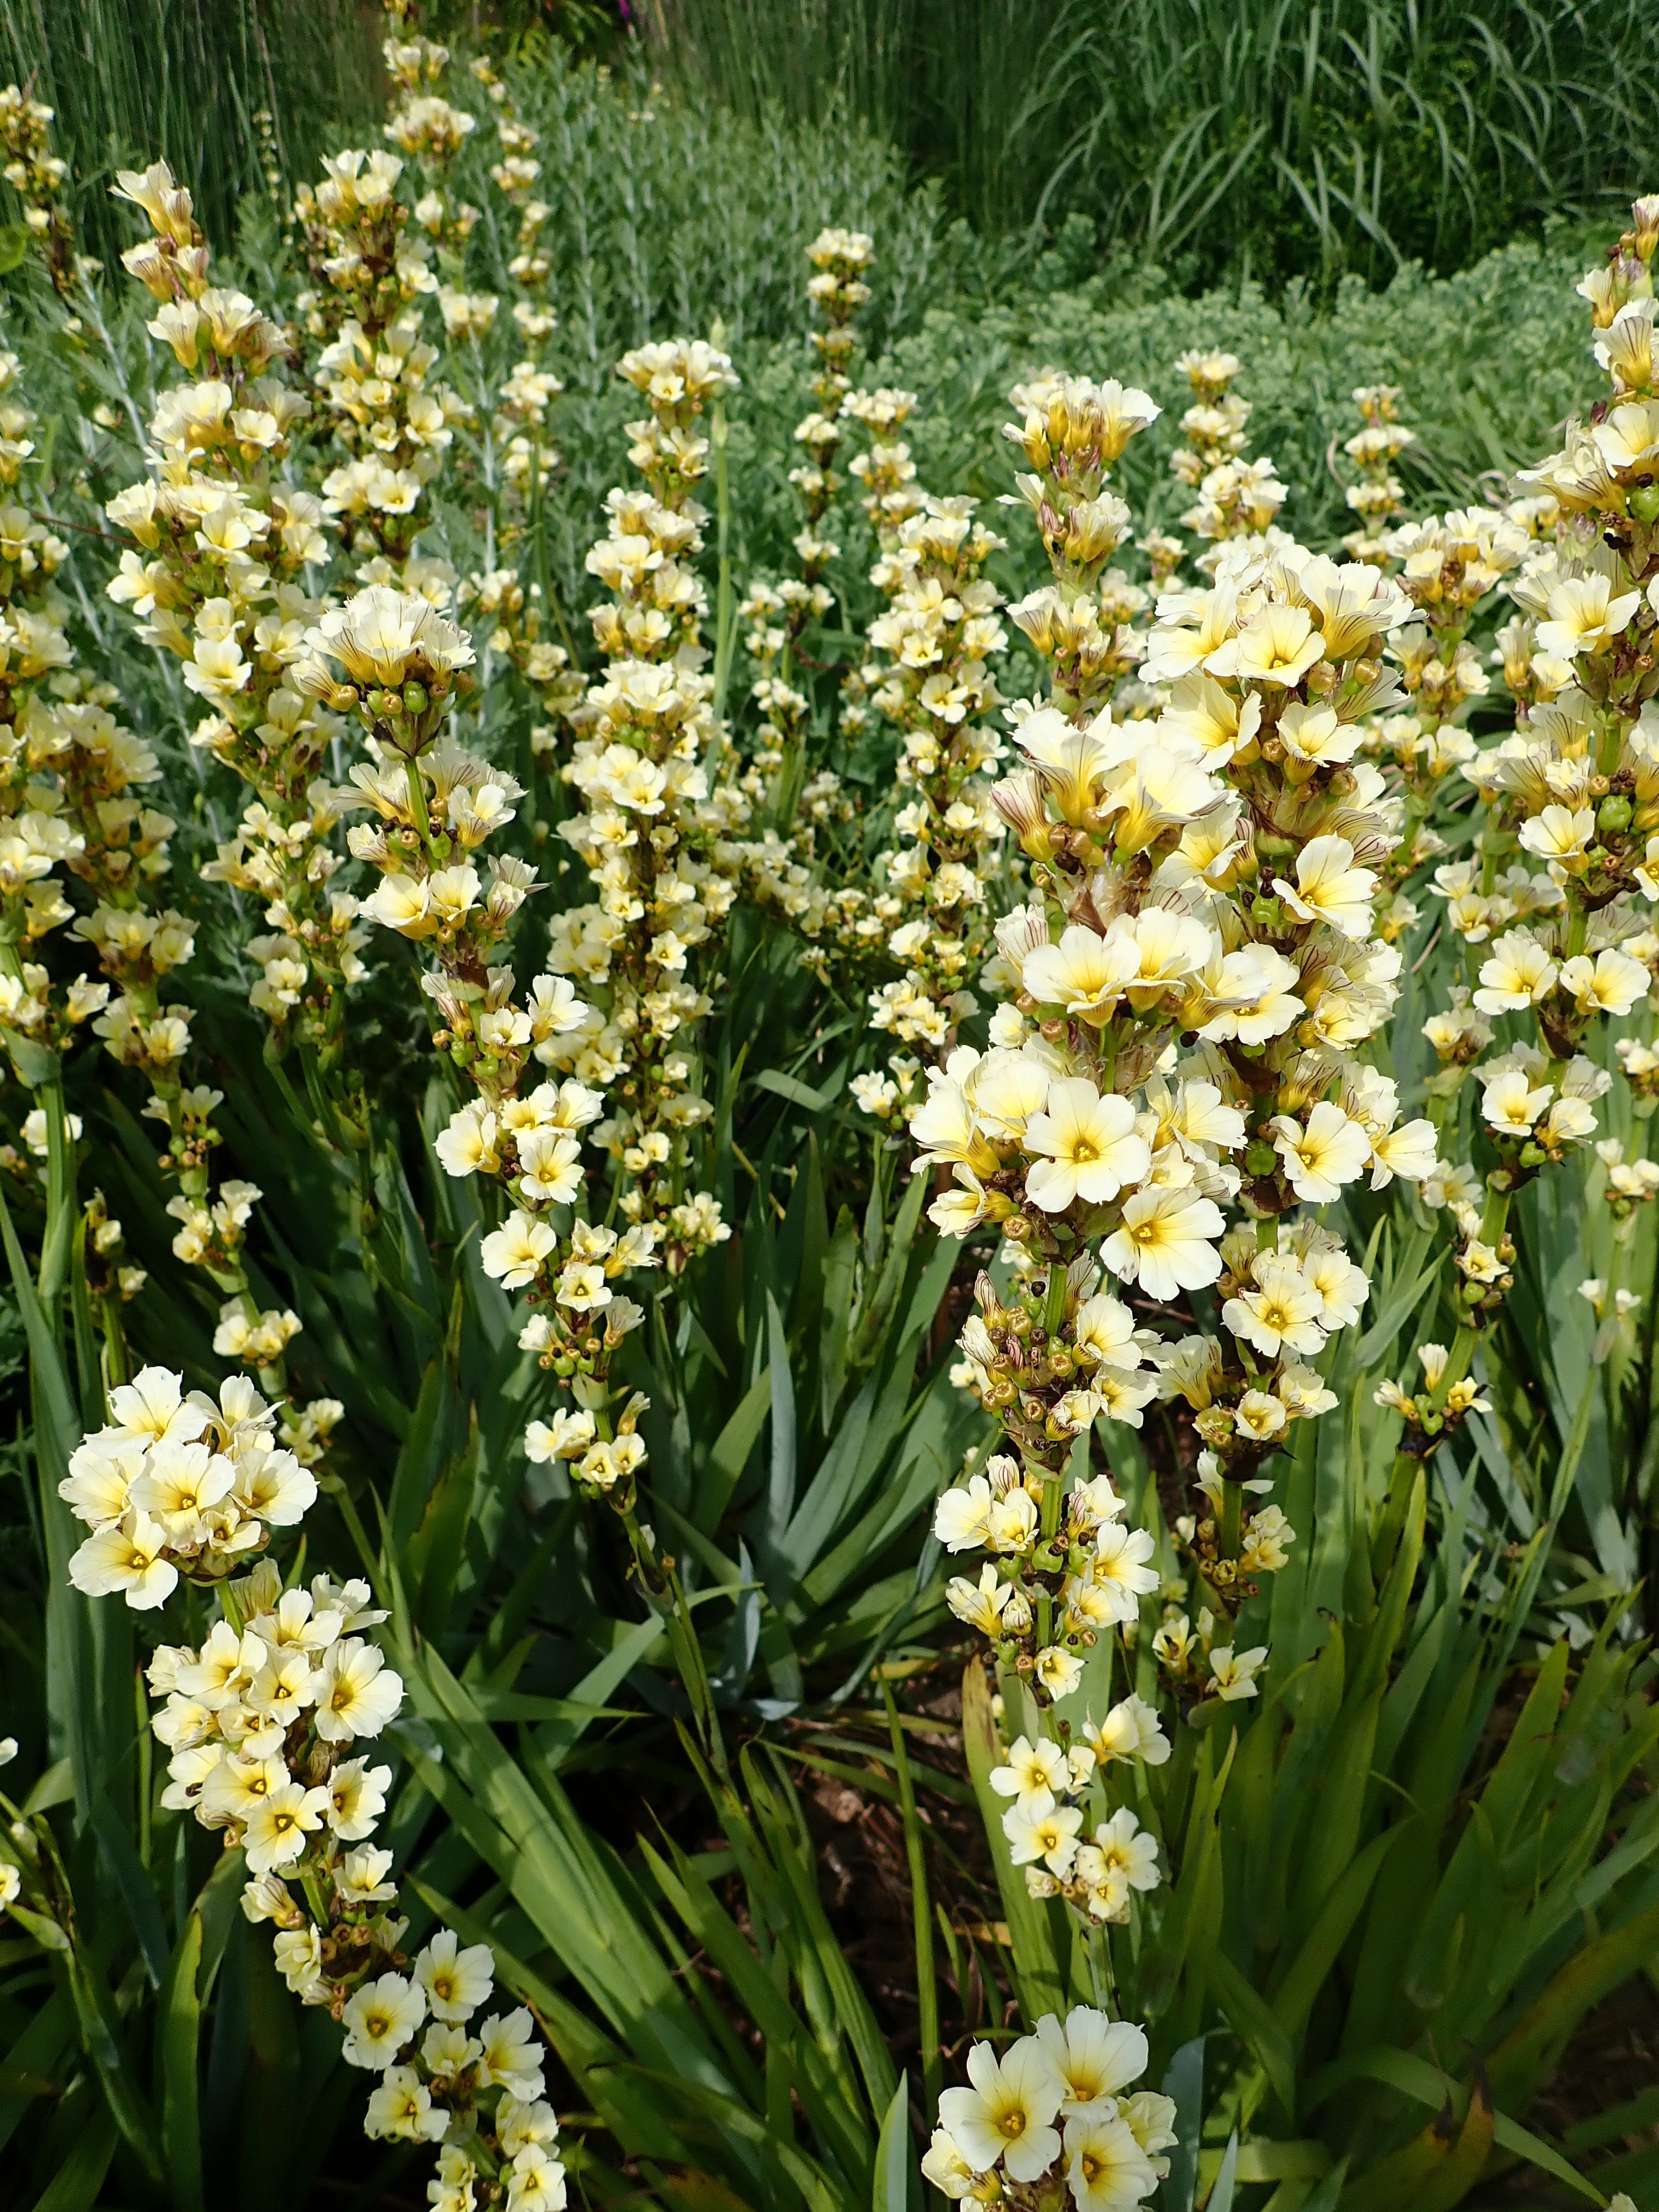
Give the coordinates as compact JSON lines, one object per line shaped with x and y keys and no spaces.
{"x":1091,"y":1146}
{"x":1006,"y":2115}
{"x":1165,"y":1242}
{"x":1511,"y":1105}
{"x":1093,"y":2056}
{"x":1105,"y":2166}
{"x":1329,"y":888}
{"x":1320,"y":1157}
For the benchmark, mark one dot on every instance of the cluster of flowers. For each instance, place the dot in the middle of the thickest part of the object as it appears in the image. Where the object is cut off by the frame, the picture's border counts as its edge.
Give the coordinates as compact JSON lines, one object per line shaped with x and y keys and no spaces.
{"x":1053,"y":2121}
{"x":400,"y":668}
{"x":516,"y":176}
{"x":38,"y":176}
{"x":509,"y":618}
{"x":783,"y":866}
{"x":62,"y":759}
{"x":1050,"y":1785}
{"x":1555,"y":905}
{"x":1073,"y":433}
{"x":518,"y":457}
{"x":71,"y":781}
{"x":177,"y":1485}
{"x":934,"y":686}
{"x":651,"y":837}
{"x":1236,"y":497}
{"x":430,"y":132}
{"x":218,"y":574}
{"x":652,"y":830}
{"x":1447,"y":566}
{"x":1192,"y":980}
{"x":841,"y":260}
{"x":1378,"y":495}
{"x":264,"y":1722}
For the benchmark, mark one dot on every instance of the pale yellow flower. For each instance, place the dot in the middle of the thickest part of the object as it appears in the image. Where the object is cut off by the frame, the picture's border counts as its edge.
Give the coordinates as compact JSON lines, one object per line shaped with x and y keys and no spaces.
{"x":1329,"y":888}
{"x":1560,"y":833}
{"x":1092,"y":1145}
{"x":1519,"y":973}
{"x":1165,"y":1244}
{"x":1320,"y":1156}
{"x":1611,"y":983}
{"x":1006,"y":2115}
{"x":1585,"y":614}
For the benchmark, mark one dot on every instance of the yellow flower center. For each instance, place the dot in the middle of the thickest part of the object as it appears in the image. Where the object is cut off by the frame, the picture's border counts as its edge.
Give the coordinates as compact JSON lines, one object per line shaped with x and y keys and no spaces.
{"x":1012,"y":2122}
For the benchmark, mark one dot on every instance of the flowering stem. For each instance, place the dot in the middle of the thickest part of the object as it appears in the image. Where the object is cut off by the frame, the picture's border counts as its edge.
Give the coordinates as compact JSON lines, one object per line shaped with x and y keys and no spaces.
{"x":664,"y":1595}
{"x":725,"y":618}
{"x":60,"y":1189}
{"x":1493,"y":1223}
{"x":312,"y":1888}
{"x":1232,"y":1514}
{"x":417,"y":800}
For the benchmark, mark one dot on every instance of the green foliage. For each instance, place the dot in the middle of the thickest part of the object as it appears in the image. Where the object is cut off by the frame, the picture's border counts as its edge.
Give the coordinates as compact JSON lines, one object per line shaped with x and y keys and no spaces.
{"x":1490,"y":362}
{"x":1398,"y":1883}
{"x":236,"y":97}
{"x":1280,"y":139}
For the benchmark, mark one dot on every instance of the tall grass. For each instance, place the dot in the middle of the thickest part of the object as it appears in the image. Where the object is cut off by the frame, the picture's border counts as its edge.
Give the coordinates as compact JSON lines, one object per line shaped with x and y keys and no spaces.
{"x":224,"y":89}
{"x":1282,"y":136}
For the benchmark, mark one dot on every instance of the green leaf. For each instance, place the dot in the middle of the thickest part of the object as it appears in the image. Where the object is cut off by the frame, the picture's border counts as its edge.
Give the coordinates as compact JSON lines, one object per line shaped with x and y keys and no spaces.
{"x":42,"y":1925}
{"x":13,"y":250}
{"x":179,"y":2030}
{"x":1401,"y":1305}
{"x":34,"y":2056}
{"x":1221,"y":2197}
{"x":556,"y":1737}
{"x":133,"y":1881}
{"x":1426,"y":2084}
{"x":898,"y":2180}
{"x":1184,"y":2085}
{"x":1437,"y":2169}
{"x":1530,"y":2053}
{"x":836,"y":1328}
{"x":1257,"y":2028}
{"x":1294,"y":1998}
{"x":780,"y":1501}
{"x":75,"y":2187}
{"x":799,"y":1093}
{"x":728,"y":1454}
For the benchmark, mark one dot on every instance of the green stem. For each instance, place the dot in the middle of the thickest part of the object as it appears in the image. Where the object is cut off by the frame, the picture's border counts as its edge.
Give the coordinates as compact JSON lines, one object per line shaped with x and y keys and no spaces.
{"x":1494,"y":1222}
{"x":418,"y":806}
{"x":920,"y":1912}
{"x":1232,"y":1516}
{"x":60,"y":1191}
{"x":1053,"y":1311}
{"x":724,"y":613}
{"x":1577,"y":928}
{"x":667,"y":1599}
{"x":1048,"y":1527}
